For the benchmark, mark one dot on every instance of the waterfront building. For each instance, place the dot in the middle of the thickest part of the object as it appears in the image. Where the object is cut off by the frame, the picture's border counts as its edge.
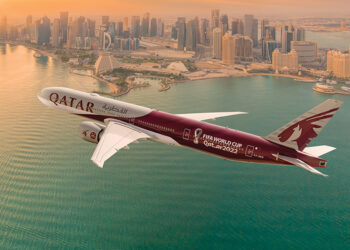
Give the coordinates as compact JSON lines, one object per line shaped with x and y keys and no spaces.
{"x":268,"y":48}
{"x":299,"y":34}
{"x":217,"y":43}
{"x":3,"y":28}
{"x":251,"y":28}
{"x":338,"y":64}
{"x":43,"y":31}
{"x":181,"y":36}
{"x":81,"y":31}
{"x":153,"y":29}
{"x":236,"y":49}
{"x":215,"y":18}
{"x":135,"y":26}
{"x":105,"y":63}
{"x":237,"y":27}
{"x":289,"y":34}
{"x":307,"y":51}
{"x":191,"y":36}
{"x":64,"y":26}
{"x":56,"y":34}
{"x":224,"y":24}
{"x":285,"y":61}
{"x":204,"y":31}
{"x":145,"y":24}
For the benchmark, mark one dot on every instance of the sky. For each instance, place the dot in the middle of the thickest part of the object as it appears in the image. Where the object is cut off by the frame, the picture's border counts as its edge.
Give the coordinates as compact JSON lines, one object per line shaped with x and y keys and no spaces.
{"x":173,"y":8}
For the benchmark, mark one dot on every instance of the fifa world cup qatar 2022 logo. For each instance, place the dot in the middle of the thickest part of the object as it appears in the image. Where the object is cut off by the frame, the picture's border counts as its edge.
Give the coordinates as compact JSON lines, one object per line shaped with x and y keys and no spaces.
{"x":197,"y":134}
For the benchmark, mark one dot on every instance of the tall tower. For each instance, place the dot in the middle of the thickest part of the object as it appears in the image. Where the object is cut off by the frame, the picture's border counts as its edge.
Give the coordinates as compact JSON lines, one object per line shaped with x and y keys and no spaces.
{"x":217,"y":43}
{"x":224,"y":24}
{"x":56,"y":39}
{"x":215,"y":15}
{"x":64,"y":26}
{"x":228,"y":53}
{"x":135,"y":26}
{"x":191,"y":40}
{"x":125,"y":23}
{"x":145,"y":25}
{"x":251,"y":28}
{"x":181,"y":38}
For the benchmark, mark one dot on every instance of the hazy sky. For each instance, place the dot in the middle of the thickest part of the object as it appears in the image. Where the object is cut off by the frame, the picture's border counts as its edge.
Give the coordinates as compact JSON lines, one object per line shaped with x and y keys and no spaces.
{"x":281,"y":8}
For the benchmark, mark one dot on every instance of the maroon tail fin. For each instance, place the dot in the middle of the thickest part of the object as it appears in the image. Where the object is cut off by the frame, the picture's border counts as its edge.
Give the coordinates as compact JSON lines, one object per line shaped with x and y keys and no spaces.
{"x":299,"y":132}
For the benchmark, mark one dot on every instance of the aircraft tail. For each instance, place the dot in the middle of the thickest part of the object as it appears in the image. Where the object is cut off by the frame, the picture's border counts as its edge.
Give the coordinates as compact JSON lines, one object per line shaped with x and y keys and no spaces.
{"x":299,"y":132}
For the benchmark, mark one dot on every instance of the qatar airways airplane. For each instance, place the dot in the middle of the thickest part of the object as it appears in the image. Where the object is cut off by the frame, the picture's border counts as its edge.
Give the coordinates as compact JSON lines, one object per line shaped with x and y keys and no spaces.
{"x":125,"y":123}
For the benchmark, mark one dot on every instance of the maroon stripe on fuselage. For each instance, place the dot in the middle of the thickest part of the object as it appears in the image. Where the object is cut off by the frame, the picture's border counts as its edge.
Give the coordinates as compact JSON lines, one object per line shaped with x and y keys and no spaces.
{"x":213,"y":139}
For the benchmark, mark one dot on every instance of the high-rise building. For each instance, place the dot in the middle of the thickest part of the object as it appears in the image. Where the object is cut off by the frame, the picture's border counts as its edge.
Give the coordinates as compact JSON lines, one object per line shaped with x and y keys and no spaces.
{"x":264,"y":24}
{"x":44,"y":31}
{"x":91,"y":27}
{"x":196,"y":28}
{"x":145,"y":25}
{"x":105,"y":20}
{"x":120,"y":29}
{"x":287,"y":34}
{"x":204,"y":31}
{"x":338,"y":64}
{"x":135,"y":26}
{"x":191,"y":40}
{"x":125,"y":23}
{"x":215,"y":19}
{"x":224,"y":24}
{"x":307,"y":51}
{"x":268,"y":47}
{"x":56,"y":35}
{"x":181,"y":36}
{"x":237,"y":27}
{"x":217,"y":43}
{"x":251,"y":28}
{"x":284,"y":61}
{"x":3,"y":28}
{"x":160,"y":28}
{"x":64,"y":26}
{"x":236,"y":49}
{"x":299,"y":34}
{"x":153,"y":29}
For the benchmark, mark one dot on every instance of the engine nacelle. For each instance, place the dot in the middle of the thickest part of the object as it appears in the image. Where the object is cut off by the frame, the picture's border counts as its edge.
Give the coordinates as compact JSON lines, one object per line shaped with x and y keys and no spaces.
{"x":90,"y":131}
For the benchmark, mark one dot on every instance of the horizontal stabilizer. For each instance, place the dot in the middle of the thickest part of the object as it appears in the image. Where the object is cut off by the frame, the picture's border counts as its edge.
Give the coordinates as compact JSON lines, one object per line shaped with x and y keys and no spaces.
{"x":301,"y":164}
{"x":318,"y":150}
{"x":209,"y":116}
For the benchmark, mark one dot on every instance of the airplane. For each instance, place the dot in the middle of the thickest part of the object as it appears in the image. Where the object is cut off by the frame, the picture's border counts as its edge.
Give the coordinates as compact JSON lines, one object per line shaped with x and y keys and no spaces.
{"x":125,"y":123}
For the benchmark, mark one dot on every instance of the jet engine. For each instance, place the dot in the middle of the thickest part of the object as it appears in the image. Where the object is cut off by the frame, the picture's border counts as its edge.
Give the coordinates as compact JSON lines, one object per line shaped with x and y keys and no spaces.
{"x":90,"y":131}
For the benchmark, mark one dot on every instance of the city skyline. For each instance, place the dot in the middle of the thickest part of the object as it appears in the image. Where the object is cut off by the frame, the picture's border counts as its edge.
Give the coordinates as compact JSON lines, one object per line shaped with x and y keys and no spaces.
{"x":16,"y":9}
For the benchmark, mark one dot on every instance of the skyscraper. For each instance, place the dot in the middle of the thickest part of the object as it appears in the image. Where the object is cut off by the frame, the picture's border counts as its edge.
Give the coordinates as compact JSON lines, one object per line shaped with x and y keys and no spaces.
{"x":284,"y":61}
{"x":153,"y":30}
{"x":145,"y":25}
{"x":251,"y":28}
{"x":64,"y":26}
{"x":264,"y":23}
{"x":338,"y":64}
{"x":204,"y":31}
{"x":224,"y":24}
{"x":135,"y":26}
{"x":120,"y":29}
{"x":191,"y":40}
{"x":215,"y":18}
{"x":160,"y":28}
{"x":287,"y":34}
{"x":237,"y":27}
{"x":3,"y":28}
{"x":181,"y":36}
{"x":125,"y":23}
{"x":56,"y":36}
{"x":228,"y":54}
{"x":217,"y":43}
{"x":105,"y":20}
{"x":44,"y":31}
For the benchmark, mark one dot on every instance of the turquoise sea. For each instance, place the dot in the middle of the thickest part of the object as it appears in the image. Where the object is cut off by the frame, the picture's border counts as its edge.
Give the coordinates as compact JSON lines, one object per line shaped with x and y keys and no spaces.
{"x":155,"y":196}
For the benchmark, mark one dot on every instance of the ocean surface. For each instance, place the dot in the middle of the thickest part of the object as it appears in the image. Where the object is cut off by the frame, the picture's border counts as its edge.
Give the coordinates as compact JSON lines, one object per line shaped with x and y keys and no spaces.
{"x":335,"y":40}
{"x":155,"y":196}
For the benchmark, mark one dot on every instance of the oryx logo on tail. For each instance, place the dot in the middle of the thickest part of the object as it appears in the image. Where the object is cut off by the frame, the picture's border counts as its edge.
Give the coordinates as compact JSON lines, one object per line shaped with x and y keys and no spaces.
{"x":305,"y":130}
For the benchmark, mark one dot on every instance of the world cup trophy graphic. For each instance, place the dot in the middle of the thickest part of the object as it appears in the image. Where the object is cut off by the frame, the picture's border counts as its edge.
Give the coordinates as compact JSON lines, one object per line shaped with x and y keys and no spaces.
{"x":197,"y":134}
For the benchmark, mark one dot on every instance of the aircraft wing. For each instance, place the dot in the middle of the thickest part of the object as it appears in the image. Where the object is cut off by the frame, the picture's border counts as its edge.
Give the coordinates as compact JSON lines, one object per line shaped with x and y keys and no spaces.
{"x":115,"y":137}
{"x":301,"y":164}
{"x":209,"y":116}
